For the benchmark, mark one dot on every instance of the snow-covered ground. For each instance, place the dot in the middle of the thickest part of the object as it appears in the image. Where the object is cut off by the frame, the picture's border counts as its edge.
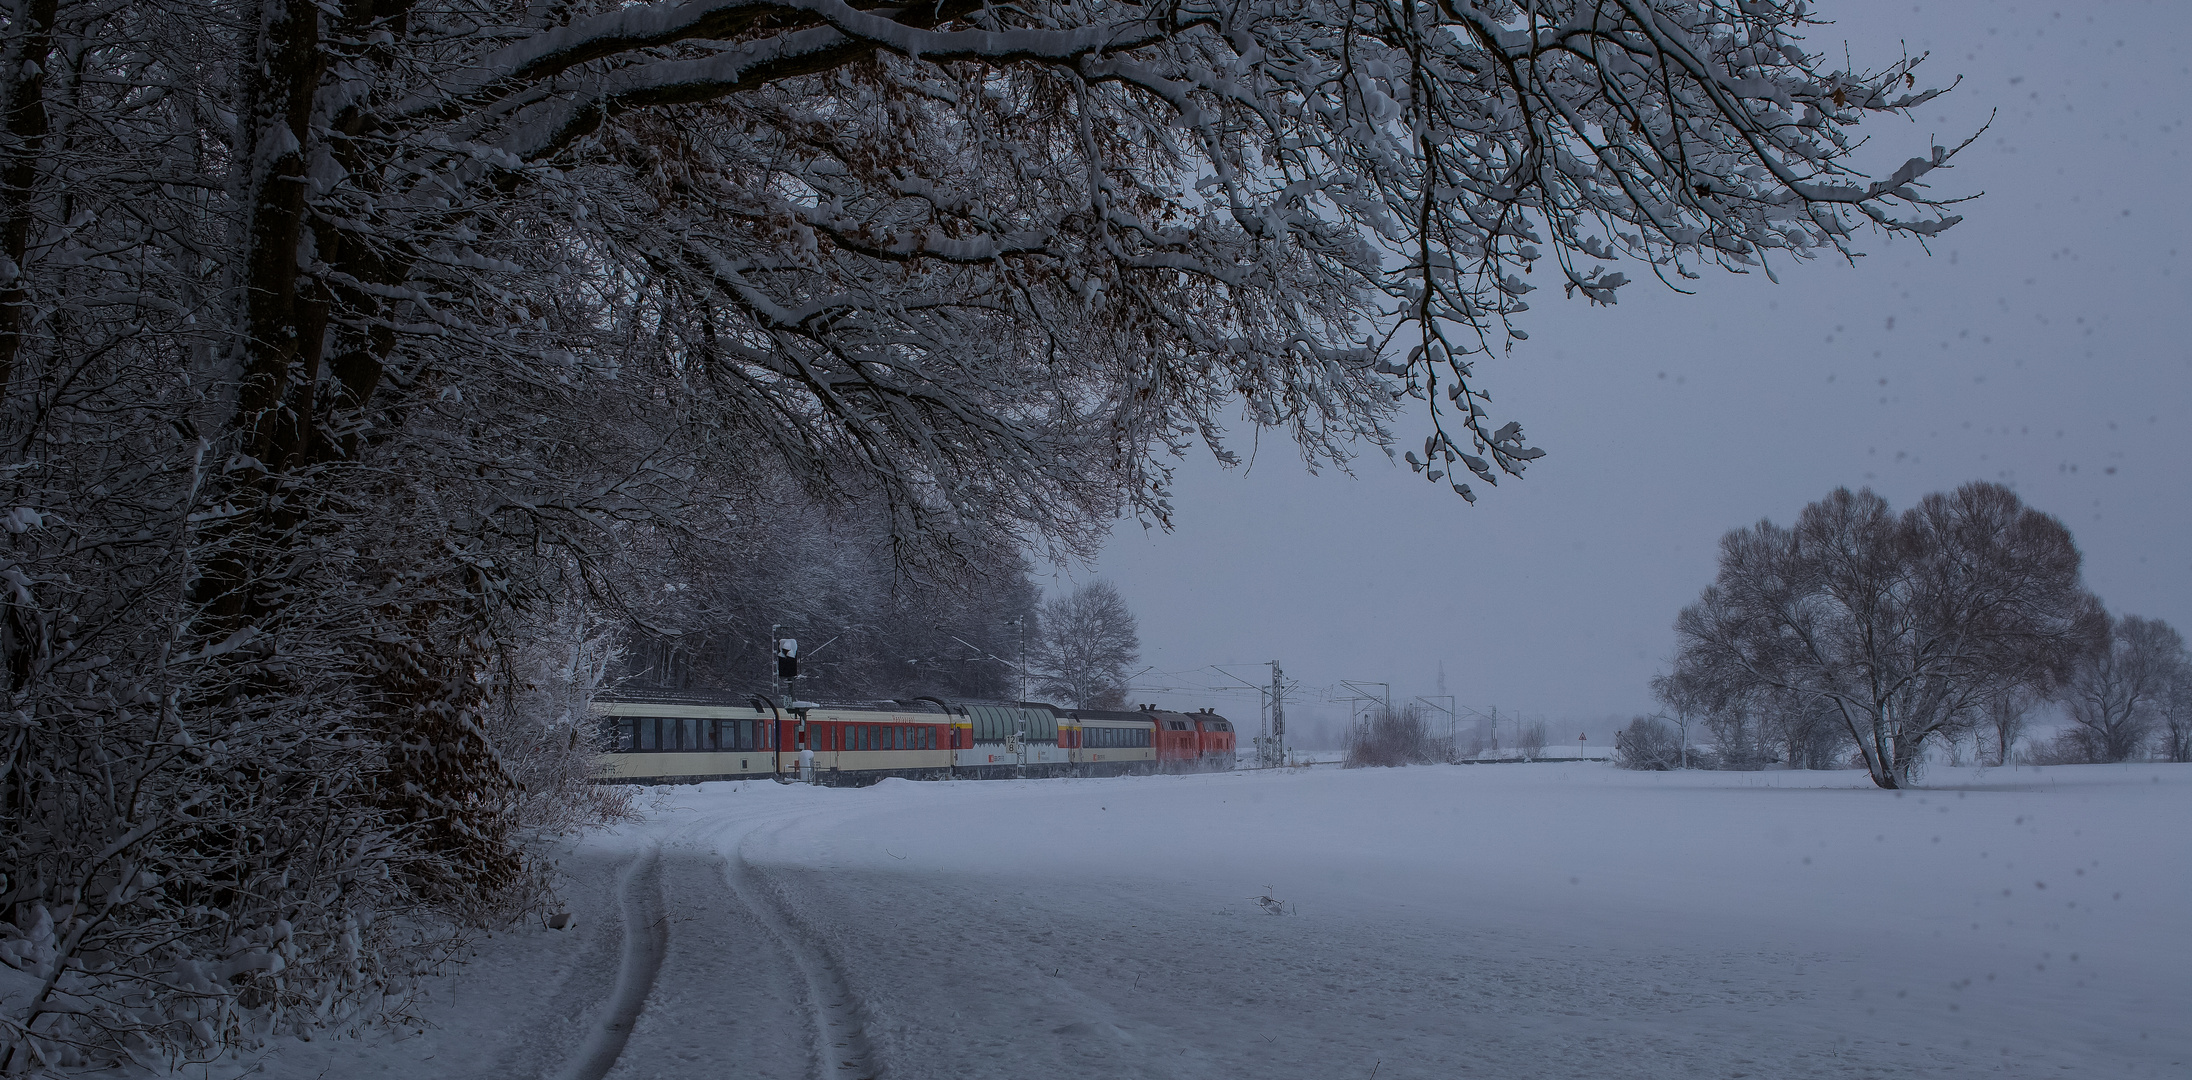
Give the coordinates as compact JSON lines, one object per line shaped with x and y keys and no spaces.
{"x":1551,"y":920}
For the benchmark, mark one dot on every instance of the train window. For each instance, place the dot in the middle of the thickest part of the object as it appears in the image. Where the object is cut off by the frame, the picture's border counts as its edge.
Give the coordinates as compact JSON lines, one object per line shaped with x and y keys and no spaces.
{"x":646,"y":725}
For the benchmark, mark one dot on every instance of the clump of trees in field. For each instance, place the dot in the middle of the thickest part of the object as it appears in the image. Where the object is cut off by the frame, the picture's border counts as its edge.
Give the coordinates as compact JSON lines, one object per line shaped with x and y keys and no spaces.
{"x":700,"y":603}
{"x":1862,"y":634}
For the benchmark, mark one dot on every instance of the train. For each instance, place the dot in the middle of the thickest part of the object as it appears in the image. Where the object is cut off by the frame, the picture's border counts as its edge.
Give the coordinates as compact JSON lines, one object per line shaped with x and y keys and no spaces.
{"x":686,"y":737}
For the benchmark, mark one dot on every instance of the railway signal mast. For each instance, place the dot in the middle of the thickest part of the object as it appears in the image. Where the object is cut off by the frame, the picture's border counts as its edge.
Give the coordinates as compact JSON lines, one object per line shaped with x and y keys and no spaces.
{"x":1272,"y":747}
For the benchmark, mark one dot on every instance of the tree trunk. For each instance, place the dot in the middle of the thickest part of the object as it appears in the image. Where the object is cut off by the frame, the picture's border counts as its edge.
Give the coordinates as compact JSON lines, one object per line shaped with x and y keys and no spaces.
{"x":26,"y":124}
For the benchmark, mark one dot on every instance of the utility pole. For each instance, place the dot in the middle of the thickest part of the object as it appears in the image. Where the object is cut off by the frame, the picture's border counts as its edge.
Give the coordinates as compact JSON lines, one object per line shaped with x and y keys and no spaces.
{"x":1453,"y":722}
{"x":1270,"y":715}
{"x":1359,"y":688}
{"x":1020,"y":658}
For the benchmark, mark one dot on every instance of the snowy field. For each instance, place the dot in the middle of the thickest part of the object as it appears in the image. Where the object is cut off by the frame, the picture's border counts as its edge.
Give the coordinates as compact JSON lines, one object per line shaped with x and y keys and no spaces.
{"x":1553,"y":920}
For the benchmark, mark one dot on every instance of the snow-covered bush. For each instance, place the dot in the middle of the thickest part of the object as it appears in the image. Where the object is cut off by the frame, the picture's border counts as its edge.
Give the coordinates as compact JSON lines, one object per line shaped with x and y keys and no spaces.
{"x":545,"y":731}
{"x":1648,"y":743}
{"x":1530,"y":740}
{"x":1389,"y":736}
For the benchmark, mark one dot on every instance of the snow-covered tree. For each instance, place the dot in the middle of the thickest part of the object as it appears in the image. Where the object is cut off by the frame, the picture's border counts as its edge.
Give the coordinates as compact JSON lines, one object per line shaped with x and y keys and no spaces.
{"x":2176,"y":718}
{"x":2004,"y":715}
{"x":1900,"y":624}
{"x":1690,"y":694}
{"x":342,"y":339}
{"x":1087,"y":647}
{"x":2118,"y":691}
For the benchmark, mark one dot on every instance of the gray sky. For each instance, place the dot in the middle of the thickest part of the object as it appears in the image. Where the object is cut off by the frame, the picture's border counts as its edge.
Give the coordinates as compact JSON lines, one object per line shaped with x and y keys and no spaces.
{"x":2043,"y":343}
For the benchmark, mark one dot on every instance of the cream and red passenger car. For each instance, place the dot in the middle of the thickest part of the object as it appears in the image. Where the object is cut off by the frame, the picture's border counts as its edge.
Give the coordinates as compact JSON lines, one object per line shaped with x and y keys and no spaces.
{"x":686,"y":737}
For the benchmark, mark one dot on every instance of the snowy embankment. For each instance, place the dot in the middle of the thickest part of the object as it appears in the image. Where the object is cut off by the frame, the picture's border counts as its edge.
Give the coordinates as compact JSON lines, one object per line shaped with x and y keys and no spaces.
{"x":1553,"y":921}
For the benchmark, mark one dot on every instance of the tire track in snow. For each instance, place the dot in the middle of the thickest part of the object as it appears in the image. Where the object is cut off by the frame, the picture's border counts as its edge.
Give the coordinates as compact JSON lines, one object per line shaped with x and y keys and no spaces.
{"x":646,"y":941}
{"x":842,"y":1050}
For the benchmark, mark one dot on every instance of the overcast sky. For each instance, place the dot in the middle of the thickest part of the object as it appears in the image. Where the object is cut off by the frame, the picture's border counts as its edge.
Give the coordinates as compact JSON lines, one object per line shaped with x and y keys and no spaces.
{"x":2043,"y":343}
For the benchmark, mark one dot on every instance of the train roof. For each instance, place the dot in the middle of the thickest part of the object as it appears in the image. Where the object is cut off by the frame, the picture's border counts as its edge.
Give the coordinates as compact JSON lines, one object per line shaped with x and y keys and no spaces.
{"x":648,"y":695}
{"x":1121,"y":715}
{"x":737,"y":699}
